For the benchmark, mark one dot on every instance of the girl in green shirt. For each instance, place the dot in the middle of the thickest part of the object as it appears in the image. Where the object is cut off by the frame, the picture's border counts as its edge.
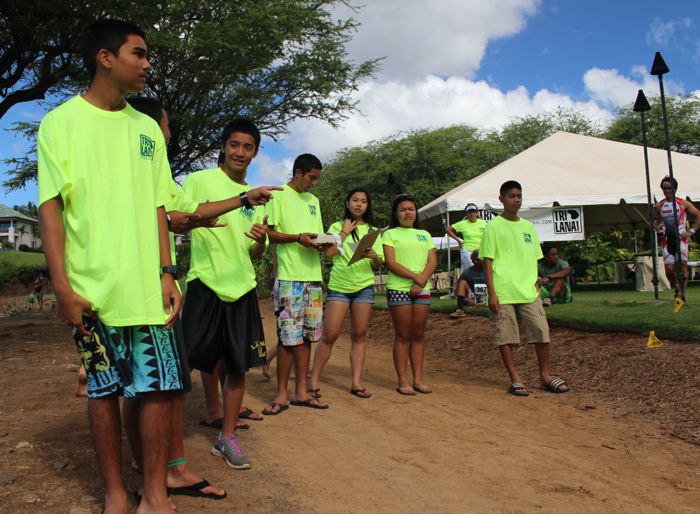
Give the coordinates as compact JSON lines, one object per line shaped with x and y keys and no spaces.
{"x":349,"y":287}
{"x":410,"y":256}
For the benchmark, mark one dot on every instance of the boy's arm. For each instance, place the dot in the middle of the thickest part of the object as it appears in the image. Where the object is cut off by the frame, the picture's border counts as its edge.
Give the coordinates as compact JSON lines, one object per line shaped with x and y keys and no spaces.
{"x":70,"y":306}
{"x":172,"y":299}
{"x":258,"y":233}
{"x":258,"y":196}
{"x":304,"y":239}
{"x":488,"y":274}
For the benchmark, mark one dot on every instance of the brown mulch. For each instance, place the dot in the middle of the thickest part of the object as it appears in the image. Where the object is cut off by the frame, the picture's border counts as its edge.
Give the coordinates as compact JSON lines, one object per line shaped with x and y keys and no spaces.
{"x":614,"y":370}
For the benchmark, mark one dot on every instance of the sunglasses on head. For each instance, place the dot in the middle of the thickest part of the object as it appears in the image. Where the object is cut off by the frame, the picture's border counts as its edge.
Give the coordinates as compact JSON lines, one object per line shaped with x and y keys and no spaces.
{"x":404,"y":196}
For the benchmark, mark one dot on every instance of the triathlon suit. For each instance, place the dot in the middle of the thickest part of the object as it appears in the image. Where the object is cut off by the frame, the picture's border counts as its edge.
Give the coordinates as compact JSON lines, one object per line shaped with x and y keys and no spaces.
{"x":671,"y":231}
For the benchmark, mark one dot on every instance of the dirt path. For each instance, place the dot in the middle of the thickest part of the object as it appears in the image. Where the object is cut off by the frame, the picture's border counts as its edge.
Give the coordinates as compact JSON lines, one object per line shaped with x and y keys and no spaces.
{"x":468,"y":447}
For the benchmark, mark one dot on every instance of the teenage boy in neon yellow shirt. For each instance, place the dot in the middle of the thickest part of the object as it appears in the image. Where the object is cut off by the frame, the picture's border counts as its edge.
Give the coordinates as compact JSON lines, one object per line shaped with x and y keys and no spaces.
{"x":104,"y":178}
{"x":222,"y":321}
{"x":472,"y":230}
{"x":295,"y":220}
{"x":510,"y":251}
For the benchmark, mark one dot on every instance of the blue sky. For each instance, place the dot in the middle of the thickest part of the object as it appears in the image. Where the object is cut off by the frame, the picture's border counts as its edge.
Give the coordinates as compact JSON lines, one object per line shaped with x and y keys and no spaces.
{"x":482,"y":63}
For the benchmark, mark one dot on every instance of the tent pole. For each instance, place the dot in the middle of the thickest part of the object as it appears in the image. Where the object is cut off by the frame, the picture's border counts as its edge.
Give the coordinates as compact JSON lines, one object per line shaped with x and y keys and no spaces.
{"x":449,"y":252}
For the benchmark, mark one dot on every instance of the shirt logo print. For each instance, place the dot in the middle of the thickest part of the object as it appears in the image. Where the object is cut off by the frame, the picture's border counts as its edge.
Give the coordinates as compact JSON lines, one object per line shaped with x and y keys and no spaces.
{"x":312,"y":210}
{"x":421,"y":238}
{"x":247,"y":212}
{"x":147,"y":145}
{"x":527,"y":237}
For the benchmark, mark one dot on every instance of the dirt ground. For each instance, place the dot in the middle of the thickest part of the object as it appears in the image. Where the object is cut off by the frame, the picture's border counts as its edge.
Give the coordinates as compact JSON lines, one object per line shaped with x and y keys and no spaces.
{"x":625,"y":439}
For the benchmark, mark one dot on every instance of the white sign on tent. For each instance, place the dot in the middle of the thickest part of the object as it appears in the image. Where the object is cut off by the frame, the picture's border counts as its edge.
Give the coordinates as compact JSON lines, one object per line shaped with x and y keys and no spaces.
{"x":551,"y":224}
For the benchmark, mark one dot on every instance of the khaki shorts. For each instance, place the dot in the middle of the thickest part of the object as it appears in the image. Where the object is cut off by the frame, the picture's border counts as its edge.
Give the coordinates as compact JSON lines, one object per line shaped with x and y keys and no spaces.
{"x":531,"y":315}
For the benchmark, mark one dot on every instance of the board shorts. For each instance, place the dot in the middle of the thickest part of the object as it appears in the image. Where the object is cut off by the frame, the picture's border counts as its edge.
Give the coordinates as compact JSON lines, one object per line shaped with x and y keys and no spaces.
{"x":531,"y":315}
{"x":568,"y":297}
{"x":365,"y":295}
{"x":130,"y":360}
{"x":218,"y":330}
{"x":396,"y":298}
{"x":299,"y":311}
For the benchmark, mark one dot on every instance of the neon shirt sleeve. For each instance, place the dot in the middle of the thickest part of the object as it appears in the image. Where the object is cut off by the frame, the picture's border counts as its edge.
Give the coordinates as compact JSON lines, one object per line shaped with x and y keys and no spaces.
{"x":163,"y":183}
{"x":52,"y":176}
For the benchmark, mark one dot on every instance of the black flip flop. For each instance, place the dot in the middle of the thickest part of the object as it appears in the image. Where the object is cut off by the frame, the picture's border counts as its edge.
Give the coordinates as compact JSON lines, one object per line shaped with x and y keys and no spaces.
{"x":246,"y":413}
{"x":195,"y":490}
{"x":218,"y":423}
{"x":271,"y":411}
{"x":361,"y":393}
{"x":308,"y":403}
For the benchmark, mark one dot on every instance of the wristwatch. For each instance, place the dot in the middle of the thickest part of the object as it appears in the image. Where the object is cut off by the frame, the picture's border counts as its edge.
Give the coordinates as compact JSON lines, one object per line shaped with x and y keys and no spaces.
{"x":172,"y":270}
{"x":244,"y":200}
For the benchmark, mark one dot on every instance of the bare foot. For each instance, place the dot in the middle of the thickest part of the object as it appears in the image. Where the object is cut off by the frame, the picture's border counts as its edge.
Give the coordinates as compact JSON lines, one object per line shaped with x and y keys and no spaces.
{"x":81,"y":383}
{"x":181,"y":477}
{"x":139,"y":494}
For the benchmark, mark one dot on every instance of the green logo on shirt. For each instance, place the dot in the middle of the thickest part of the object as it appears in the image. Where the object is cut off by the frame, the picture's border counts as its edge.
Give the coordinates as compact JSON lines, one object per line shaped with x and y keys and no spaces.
{"x":312,"y":210}
{"x":527,"y":237}
{"x":247,"y":212}
{"x":147,"y":147}
{"x":421,"y":238}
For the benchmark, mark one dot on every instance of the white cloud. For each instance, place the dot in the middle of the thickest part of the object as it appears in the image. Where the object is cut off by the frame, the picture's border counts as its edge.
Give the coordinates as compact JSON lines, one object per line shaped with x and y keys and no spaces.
{"x":663,"y":32}
{"x":264,"y":170}
{"x":430,"y":103}
{"x":613,"y":89}
{"x":444,"y":38}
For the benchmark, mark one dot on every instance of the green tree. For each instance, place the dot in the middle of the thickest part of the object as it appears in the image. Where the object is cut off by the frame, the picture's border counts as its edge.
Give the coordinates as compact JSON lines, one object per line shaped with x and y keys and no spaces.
{"x":272,"y":61}
{"x":30,"y":209}
{"x":684,"y":125}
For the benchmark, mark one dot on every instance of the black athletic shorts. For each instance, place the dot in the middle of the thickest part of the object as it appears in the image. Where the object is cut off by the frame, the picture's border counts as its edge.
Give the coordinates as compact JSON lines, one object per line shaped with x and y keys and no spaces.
{"x":182,"y":354}
{"x":215,"y":330}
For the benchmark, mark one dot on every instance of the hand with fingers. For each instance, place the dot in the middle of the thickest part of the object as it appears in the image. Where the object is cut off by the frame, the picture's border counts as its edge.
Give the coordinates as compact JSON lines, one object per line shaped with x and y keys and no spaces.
{"x":208,"y":223}
{"x":348,"y":226}
{"x":261,"y":195}
{"x":181,"y":222}
{"x":258,"y":232}
{"x":172,"y":299}
{"x":308,"y":240}
{"x":71,"y":307}
{"x":415,"y":290}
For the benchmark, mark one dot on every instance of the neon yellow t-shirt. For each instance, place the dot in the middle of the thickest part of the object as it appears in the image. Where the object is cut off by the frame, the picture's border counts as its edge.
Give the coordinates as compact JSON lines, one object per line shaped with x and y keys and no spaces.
{"x":220,"y":256}
{"x":471,"y":232}
{"x":514,"y":248}
{"x":411,"y":249}
{"x":358,"y":276}
{"x":180,"y":202}
{"x":294,"y":213}
{"x":111,"y":171}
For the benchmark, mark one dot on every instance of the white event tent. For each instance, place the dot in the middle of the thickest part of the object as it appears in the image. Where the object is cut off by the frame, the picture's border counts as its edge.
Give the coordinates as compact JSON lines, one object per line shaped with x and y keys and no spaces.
{"x":605,"y":178}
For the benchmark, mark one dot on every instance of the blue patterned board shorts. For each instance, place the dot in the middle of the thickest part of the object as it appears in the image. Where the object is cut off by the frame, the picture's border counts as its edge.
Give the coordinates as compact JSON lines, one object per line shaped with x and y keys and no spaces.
{"x":299,"y":311}
{"x":130,"y":360}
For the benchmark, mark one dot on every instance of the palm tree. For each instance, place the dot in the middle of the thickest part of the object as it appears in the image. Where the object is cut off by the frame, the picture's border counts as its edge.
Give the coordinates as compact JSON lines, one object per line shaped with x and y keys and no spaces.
{"x":22,"y":230}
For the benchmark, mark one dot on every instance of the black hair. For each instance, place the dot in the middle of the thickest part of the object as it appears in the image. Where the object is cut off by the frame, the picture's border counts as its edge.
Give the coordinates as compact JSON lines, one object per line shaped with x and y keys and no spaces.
{"x":508,"y":185}
{"x":107,"y":34}
{"x":547,"y":247}
{"x":394,"y":219}
{"x":241,"y":125}
{"x":672,"y":181}
{"x":148,"y":106}
{"x":305,"y":163}
{"x":368,"y":217}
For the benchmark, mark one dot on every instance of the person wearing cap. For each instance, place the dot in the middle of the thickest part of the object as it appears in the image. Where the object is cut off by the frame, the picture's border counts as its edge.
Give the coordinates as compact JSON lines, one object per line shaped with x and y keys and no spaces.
{"x":471,"y":286}
{"x":468,"y":233}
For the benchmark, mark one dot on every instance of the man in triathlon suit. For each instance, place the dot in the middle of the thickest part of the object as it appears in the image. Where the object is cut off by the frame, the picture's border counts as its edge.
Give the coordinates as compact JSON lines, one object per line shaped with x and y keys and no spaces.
{"x":675,"y":234}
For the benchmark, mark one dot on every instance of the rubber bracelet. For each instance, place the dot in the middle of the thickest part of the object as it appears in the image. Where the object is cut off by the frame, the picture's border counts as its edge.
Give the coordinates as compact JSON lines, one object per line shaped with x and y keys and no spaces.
{"x":299,"y":238}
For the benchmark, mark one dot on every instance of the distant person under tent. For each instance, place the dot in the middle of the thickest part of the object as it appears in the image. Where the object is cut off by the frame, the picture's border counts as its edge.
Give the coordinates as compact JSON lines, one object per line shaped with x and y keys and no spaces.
{"x":553,"y":273}
{"x":471,"y":286}
{"x":468,"y":234}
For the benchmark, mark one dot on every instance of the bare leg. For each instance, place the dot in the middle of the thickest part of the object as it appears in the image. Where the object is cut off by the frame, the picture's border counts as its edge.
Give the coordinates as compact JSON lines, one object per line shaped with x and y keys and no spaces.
{"x":359,"y":321}
{"x":234,"y":389}
{"x":402,"y":318}
{"x":509,"y":362}
{"x":302,"y":354}
{"x":210,"y":383}
{"x":105,"y":425}
{"x":285,"y":359}
{"x":417,"y":346}
{"x":154,"y":423}
{"x":131,"y":408}
{"x":671,"y":275}
{"x":332,"y":323}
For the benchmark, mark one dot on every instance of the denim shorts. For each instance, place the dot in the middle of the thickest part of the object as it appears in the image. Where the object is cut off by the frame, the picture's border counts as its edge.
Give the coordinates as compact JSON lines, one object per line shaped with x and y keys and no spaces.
{"x":395,"y":298}
{"x":365,"y":295}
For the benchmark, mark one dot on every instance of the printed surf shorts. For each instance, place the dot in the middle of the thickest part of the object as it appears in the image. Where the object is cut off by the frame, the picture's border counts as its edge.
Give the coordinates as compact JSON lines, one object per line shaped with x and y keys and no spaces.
{"x":130,"y":360}
{"x":299,"y":311}
{"x":395,"y":298}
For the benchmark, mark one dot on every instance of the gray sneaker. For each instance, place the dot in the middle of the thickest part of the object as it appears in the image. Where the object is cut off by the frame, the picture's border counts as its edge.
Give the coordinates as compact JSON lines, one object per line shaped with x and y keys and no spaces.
{"x":229,"y":449}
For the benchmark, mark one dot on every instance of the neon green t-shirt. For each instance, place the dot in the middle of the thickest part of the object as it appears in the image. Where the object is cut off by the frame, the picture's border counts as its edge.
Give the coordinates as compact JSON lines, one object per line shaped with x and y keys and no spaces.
{"x":411,"y":249}
{"x":471,"y":232}
{"x":180,"y":202}
{"x":220,"y":256}
{"x":514,"y":248}
{"x":111,"y":171}
{"x":358,"y":276}
{"x":294,"y":213}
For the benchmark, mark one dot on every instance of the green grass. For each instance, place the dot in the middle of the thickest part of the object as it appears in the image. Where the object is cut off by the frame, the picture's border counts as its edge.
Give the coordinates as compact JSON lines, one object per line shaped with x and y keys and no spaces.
{"x":23,"y":258}
{"x":613,"y":310}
